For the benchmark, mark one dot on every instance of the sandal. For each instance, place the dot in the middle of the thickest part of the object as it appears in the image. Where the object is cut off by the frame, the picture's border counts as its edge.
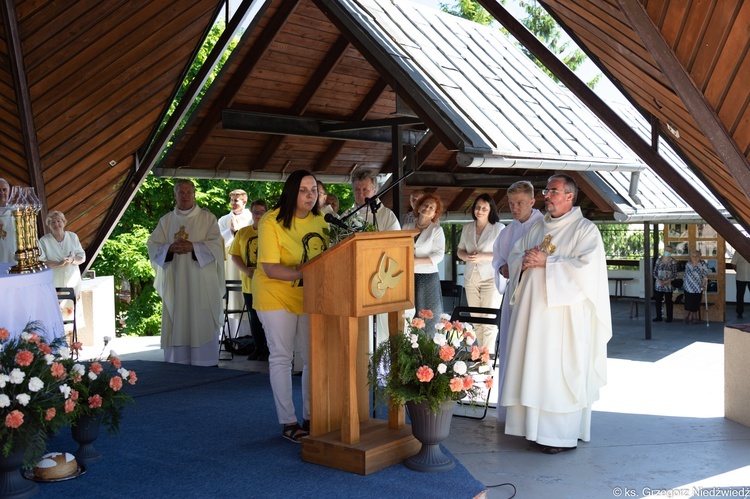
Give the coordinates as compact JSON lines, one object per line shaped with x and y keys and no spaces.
{"x":294,"y":433}
{"x":555,"y":450}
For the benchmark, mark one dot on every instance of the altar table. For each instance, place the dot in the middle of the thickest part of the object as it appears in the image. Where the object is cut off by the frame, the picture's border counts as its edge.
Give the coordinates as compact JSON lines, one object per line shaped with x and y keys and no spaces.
{"x":29,"y":297}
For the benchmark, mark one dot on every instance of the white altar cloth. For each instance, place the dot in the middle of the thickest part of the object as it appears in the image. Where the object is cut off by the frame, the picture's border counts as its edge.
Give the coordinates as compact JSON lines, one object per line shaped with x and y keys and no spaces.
{"x":29,"y":297}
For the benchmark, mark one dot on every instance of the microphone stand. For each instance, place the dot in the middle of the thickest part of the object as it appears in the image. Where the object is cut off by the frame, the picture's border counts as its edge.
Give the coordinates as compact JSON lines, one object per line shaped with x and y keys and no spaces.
{"x":373,"y":203}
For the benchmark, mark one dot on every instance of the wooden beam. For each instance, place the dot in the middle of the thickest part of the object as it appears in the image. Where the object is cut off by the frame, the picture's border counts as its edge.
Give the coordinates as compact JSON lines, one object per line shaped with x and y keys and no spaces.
{"x":695,"y":102}
{"x":618,"y":126}
{"x":233,"y":86}
{"x":23,"y":104}
{"x":142,"y":166}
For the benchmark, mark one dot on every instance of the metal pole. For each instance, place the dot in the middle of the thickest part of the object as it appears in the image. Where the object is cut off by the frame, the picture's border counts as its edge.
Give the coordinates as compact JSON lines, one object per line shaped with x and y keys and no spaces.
{"x":647,"y":277}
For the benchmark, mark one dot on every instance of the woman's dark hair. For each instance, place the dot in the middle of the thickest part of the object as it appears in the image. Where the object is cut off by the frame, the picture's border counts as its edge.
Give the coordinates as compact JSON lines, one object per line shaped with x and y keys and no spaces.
{"x":287,"y":202}
{"x":493,"y":217}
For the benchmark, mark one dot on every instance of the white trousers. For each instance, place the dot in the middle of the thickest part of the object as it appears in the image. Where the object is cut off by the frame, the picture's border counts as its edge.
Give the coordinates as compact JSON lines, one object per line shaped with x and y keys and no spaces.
{"x":484,"y":294}
{"x":282,"y":329}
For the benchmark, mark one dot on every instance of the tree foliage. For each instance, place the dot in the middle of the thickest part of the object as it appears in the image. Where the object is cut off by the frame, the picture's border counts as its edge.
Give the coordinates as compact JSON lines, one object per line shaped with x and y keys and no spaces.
{"x":539,"y":22}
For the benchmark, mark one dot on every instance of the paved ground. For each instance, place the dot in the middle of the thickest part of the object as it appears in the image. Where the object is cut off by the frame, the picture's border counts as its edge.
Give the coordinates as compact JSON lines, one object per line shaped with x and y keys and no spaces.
{"x":659,"y":428}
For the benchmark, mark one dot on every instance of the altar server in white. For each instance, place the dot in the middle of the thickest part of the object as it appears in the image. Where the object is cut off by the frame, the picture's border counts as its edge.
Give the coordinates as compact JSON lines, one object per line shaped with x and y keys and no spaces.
{"x":521,"y":204}
{"x":560,"y":325}
{"x":7,"y":226}
{"x":229,"y":225}
{"x":186,"y":250}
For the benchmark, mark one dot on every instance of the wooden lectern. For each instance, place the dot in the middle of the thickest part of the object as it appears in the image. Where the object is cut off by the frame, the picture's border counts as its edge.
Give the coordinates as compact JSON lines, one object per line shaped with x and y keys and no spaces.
{"x":368,"y":273}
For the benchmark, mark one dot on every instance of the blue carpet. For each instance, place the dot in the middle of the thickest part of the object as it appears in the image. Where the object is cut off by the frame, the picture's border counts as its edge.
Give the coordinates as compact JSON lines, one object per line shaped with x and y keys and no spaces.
{"x":205,"y":432}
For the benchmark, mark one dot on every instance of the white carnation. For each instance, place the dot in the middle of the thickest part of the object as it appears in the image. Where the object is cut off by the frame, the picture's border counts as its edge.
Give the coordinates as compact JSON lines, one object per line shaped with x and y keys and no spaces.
{"x":456,"y":342}
{"x":4,"y":378}
{"x":49,"y":359}
{"x":25,"y":336}
{"x":441,"y":368}
{"x":92,"y":376}
{"x":65,"y":390}
{"x":17,"y":376}
{"x":112,"y":353}
{"x":78,"y":370}
{"x":124,"y":373}
{"x":439,"y":339}
{"x":35,"y":384}
{"x":107,"y":339}
{"x":4,"y":400}
{"x":445,"y":317}
{"x":484,"y":368}
{"x":23,"y":399}
{"x":460,"y":367}
{"x":64,"y":353}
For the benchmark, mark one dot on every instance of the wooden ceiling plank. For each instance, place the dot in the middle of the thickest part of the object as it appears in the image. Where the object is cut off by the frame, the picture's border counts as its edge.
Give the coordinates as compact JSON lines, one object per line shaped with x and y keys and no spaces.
{"x":693,"y":99}
{"x":23,"y":101}
{"x":233,"y":86}
{"x":666,"y":171}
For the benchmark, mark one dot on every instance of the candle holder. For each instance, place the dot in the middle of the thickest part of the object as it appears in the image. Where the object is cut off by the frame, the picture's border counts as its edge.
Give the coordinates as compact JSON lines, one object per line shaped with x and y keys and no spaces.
{"x":24,"y":206}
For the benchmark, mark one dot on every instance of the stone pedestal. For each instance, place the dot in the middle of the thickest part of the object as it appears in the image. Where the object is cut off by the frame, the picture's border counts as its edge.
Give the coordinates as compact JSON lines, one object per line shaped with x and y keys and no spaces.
{"x":736,"y":381}
{"x":98,"y":302}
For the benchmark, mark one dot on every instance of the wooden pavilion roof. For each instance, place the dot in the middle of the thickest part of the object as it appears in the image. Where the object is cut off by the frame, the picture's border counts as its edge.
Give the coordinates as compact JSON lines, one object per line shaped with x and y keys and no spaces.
{"x":85,"y":87}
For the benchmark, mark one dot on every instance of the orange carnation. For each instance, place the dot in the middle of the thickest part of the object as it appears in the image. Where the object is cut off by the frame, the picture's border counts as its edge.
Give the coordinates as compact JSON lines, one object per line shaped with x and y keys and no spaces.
{"x":57,"y":370}
{"x":468,"y":382}
{"x":14,"y":419}
{"x":457,"y":385}
{"x":96,"y":368}
{"x":115,"y":362}
{"x":95,"y":401}
{"x":45,"y":349}
{"x":24,"y":358}
{"x":4,"y":333}
{"x":50,"y":414}
{"x":417,"y":323}
{"x":115,"y":383}
{"x":447,"y":352}
{"x":425,"y":374}
{"x":475,"y":352}
{"x":426,"y":314}
{"x":69,"y":405}
{"x":488,"y":383}
{"x":132,"y":378}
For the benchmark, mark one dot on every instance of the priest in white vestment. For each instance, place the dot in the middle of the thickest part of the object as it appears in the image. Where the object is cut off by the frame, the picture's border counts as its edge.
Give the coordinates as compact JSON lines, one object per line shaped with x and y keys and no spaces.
{"x":365,"y":186}
{"x":186,"y":250}
{"x":229,"y":225}
{"x":521,"y":204}
{"x":560,"y":325}
{"x":7,"y":226}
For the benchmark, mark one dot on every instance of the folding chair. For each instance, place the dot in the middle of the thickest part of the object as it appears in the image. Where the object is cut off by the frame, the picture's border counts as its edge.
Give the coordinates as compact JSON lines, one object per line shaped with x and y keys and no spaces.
{"x":232,"y":286}
{"x":69,"y":294}
{"x":453,"y":292}
{"x":464,"y":314}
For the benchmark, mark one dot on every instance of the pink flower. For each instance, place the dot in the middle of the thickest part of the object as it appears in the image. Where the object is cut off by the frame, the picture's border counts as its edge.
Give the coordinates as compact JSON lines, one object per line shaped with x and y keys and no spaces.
{"x":488,"y":383}
{"x":96,"y":368}
{"x":50,"y":414}
{"x":459,"y":327}
{"x":417,"y":323}
{"x":95,"y":401}
{"x":115,"y":362}
{"x":475,"y":352}
{"x":69,"y":405}
{"x":24,"y":358}
{"x":57,"y":370}
{"x":14,"y":419}
{"x":77,"y":345}
{"x":33,"y":338}
{"x":457,"y":385}
{"x":132,"y":378}
{"x":45,"y":349}
{"x":447,"y":352}
{"x":468,"y":382}
{"x":74,"y":395}
{"x":425,"y":374}
{"x":4,"y":333}
{"x":115,"y":383}
{"x":426,"y":314}
{"x":485,"y":354}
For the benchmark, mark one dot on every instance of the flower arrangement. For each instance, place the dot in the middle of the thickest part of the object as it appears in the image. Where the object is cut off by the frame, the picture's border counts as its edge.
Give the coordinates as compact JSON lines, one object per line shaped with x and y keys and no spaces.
{"x":356,"y":223}
{"x":31,"y":403}
{"x":419,"y":366}
{"x":95,"y":388}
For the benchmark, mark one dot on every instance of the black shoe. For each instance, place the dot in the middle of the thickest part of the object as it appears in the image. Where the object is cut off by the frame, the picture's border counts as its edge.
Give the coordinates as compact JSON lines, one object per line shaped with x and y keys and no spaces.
{"x":263,"y":356}
{"x":668,"y":320}
{"x":555,"y":450}
{"x":739,"y":316}
{"x":306,"y":425}
{"x":658,"y":319}
{"x":254,"y":356}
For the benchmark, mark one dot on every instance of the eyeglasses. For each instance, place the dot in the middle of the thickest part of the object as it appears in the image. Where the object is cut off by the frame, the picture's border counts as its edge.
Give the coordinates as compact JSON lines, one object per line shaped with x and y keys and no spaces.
{"x":551,"y":192}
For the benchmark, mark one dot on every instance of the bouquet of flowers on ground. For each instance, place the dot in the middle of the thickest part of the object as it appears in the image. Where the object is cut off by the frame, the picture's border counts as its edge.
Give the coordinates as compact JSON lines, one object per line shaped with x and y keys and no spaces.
{"x":434,"y":366}
{"x":31,"y":403}
{"x":95,"y":388}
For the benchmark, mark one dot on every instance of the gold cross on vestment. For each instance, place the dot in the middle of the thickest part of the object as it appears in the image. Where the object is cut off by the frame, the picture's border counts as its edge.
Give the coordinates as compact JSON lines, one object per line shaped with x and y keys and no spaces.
{"x":547,"y":245}
{"x":181,"y":234}
{"x":2,"y":232}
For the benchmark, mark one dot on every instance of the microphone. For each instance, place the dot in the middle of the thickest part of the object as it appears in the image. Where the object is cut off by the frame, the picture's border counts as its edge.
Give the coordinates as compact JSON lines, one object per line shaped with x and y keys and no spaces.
{"x":333,"y":219}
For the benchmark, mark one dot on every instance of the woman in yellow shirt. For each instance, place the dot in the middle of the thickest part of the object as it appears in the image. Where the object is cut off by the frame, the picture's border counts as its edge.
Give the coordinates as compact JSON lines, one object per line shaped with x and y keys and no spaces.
{"x":277,"y":291}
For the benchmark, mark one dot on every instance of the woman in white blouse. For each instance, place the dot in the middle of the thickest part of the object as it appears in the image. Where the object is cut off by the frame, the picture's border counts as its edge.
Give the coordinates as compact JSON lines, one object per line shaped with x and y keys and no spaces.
{"x":475,"y":248}
{"x":429,"y":249}
{"x":62,"y":252}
